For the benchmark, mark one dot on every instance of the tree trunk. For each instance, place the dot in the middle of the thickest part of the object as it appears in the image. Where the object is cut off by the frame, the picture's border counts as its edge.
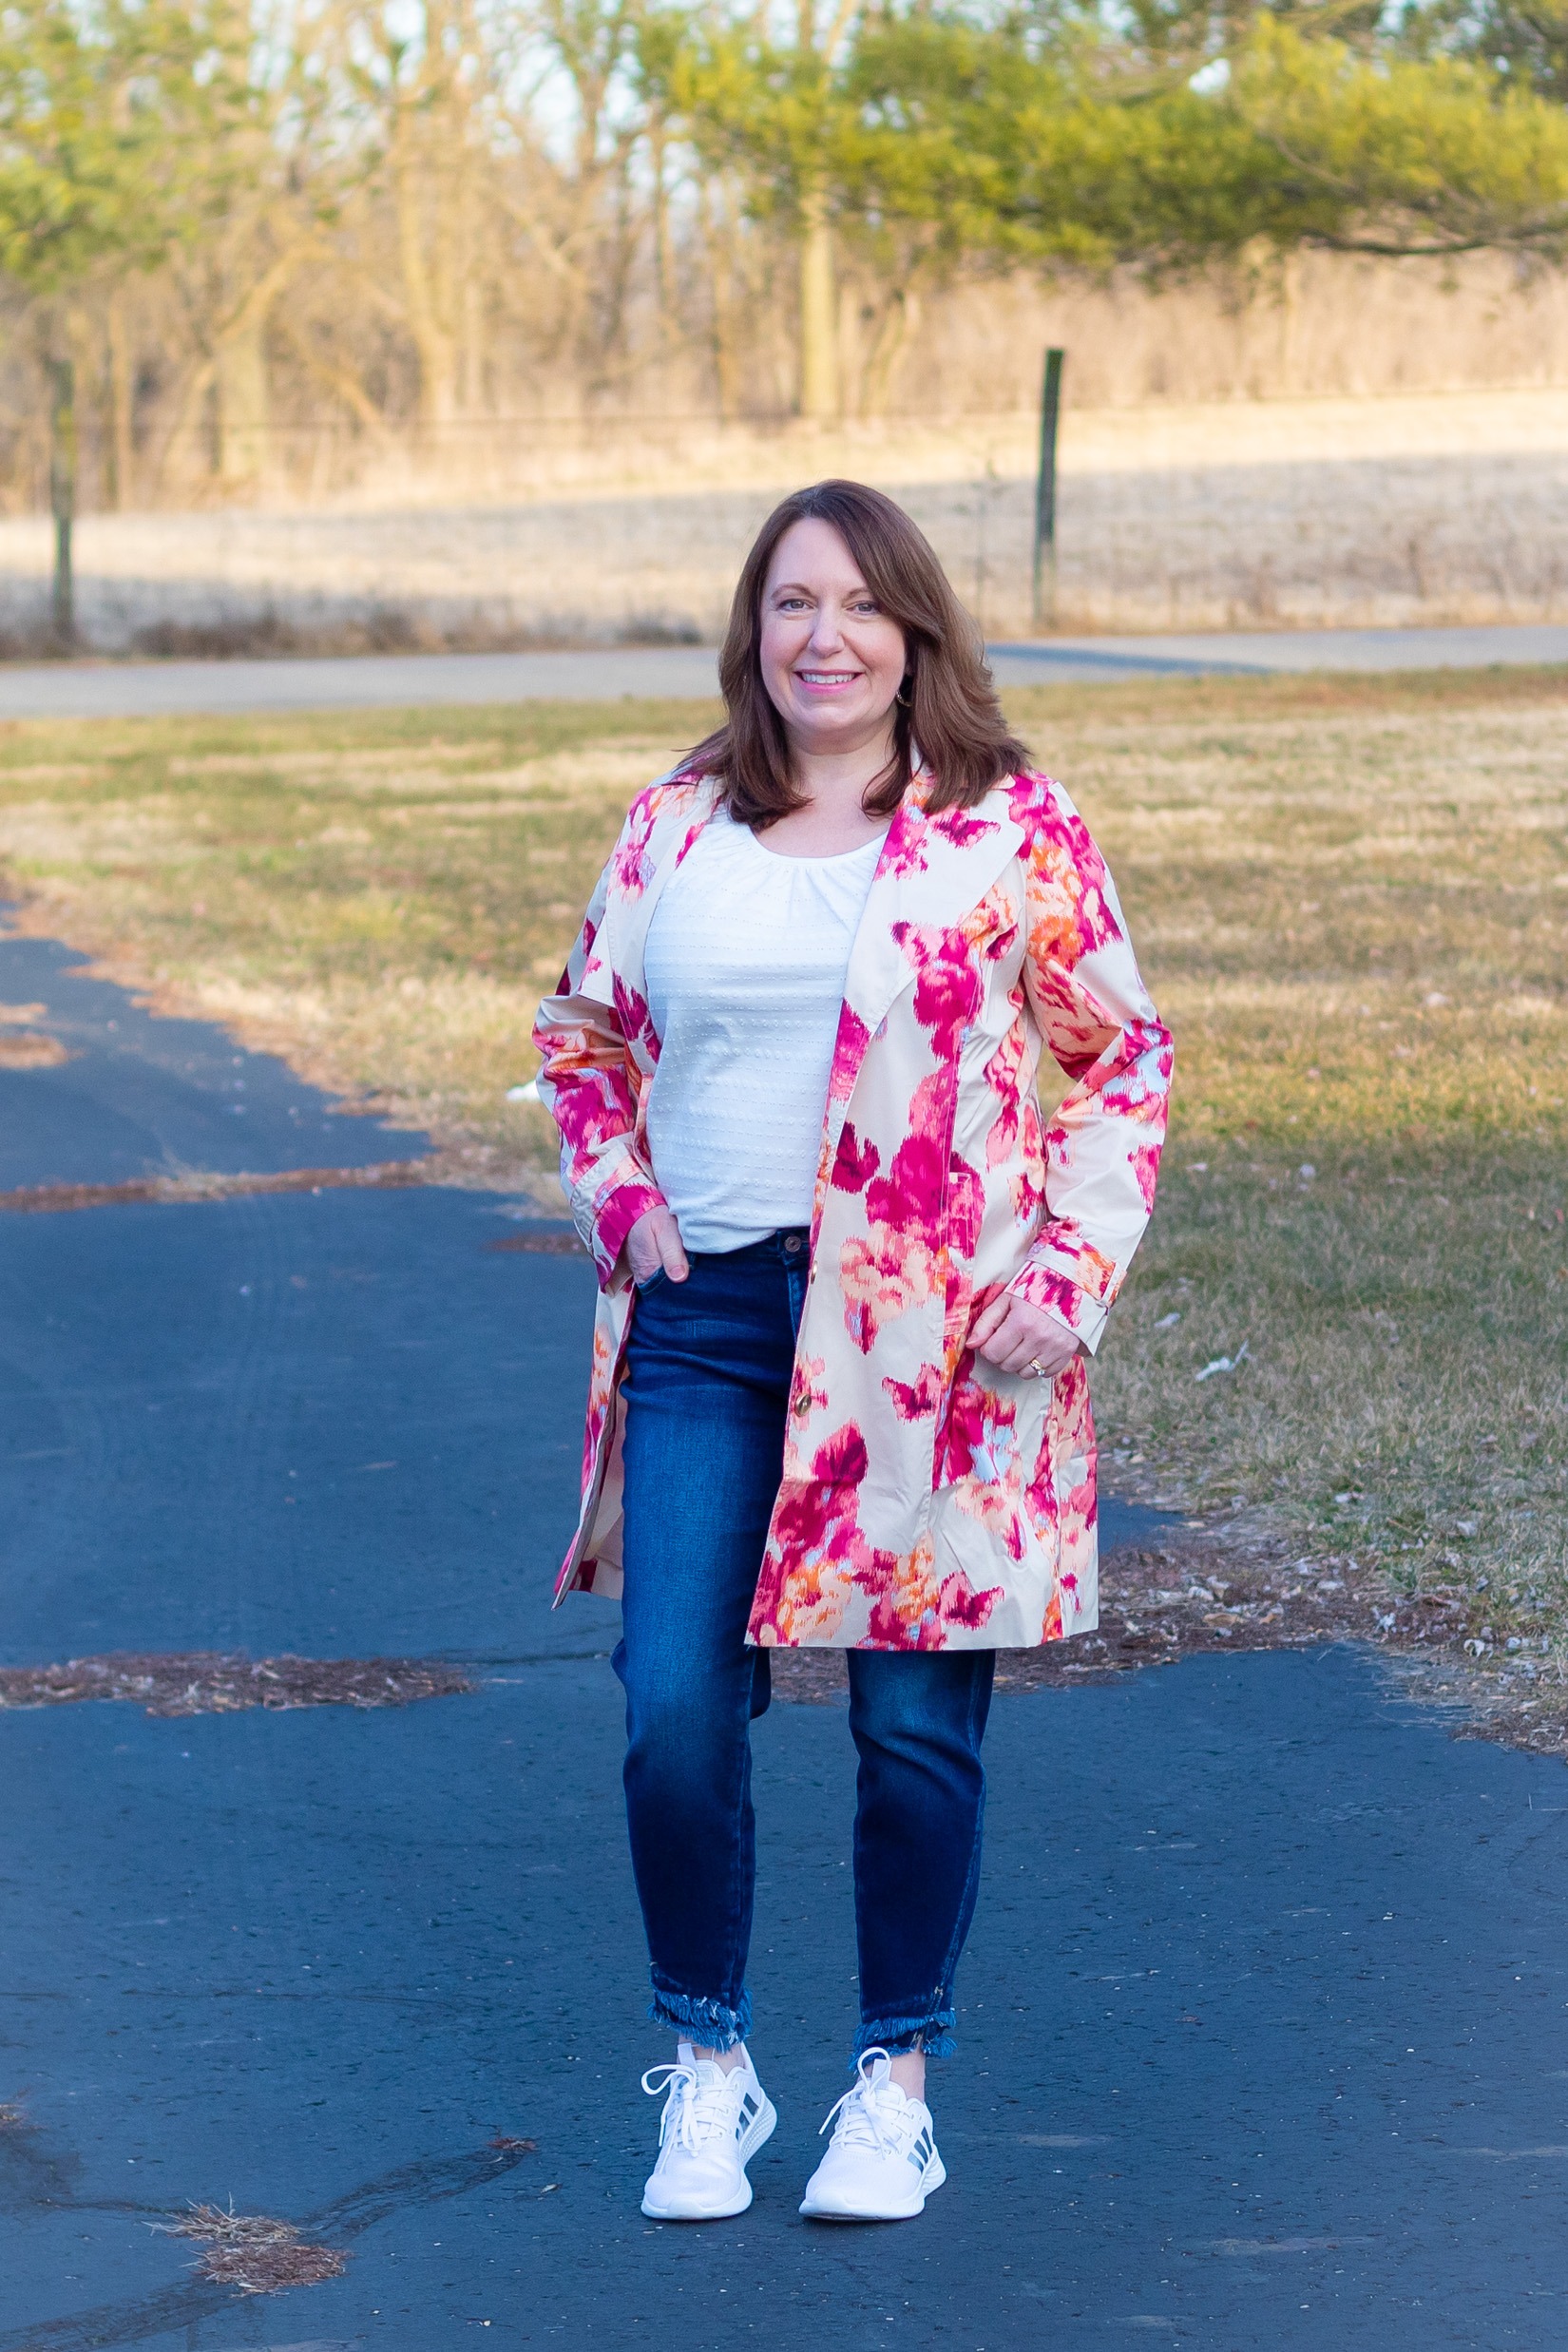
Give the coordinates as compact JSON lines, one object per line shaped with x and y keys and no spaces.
{"x":726,"y":373}
{"x":433,"y":341}
{"x":819,"y":391}
{"x":898,"y":322}
{"x":244,"y":407}
{"x":63,"y":496}
{"x":1290,"y":323}
{"x":659,"y":198}
{"x":118,"y":470}
{"x":472,"y":370}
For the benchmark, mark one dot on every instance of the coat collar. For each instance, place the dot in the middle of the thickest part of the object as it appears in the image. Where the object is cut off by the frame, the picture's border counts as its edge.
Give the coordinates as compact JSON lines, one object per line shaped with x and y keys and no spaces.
{"x":932,"y":870}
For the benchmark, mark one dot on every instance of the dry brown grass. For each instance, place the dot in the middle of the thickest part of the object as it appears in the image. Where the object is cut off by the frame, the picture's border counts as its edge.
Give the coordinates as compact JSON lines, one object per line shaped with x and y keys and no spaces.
{"x":55,"y":1199}
{"x":1434,"y":507}
{"x":252,"y":2253}
{"x":22,"y":1047}
{"x":211,"y":1682}
{"x":1351,"y":899}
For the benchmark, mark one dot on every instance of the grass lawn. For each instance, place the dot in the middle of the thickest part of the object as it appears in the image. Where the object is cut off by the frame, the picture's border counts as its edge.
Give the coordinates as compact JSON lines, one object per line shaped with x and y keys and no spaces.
{"x":1350,"y":899}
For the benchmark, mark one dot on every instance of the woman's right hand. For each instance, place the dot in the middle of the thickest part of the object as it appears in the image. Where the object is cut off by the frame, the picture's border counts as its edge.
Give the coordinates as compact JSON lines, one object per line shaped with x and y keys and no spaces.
{"x":653,"y":1245}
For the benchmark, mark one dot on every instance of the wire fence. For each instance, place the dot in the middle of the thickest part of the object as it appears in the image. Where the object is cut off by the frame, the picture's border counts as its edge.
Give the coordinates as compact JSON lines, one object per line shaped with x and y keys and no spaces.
{"x":1339,"y":515}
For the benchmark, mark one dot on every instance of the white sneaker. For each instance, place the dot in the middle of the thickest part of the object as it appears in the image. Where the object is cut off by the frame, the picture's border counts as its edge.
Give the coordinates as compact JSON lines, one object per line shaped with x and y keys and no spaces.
{"x":713,"y":2125}
{"x":881,"y":2163}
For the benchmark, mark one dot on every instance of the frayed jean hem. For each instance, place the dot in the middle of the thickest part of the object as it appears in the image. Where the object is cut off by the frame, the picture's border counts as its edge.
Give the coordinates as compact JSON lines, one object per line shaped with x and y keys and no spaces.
{"x":932,"y":2033}
{"x":708,"y":2023}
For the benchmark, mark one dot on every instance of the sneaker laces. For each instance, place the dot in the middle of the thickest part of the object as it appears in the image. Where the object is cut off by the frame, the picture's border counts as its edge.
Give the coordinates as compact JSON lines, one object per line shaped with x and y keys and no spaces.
{"x":861,"y":2111}
{"x":695,"y":2112}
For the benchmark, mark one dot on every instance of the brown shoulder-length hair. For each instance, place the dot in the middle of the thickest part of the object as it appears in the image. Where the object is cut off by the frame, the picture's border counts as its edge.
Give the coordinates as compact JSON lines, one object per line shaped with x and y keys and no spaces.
{"x":946,"y":706}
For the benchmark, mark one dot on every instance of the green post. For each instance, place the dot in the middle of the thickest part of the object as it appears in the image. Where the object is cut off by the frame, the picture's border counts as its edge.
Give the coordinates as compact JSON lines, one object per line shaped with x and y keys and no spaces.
{"x":62,"y":494}
{"x":1045,"y":565}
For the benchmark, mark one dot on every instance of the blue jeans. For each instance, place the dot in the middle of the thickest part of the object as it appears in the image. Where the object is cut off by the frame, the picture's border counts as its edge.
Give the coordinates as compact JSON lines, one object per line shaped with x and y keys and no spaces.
{"x":707,"y":1384}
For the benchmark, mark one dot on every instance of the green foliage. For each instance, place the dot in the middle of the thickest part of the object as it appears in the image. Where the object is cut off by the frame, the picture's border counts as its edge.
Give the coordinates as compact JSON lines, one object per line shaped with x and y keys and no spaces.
{"x":107,"y":124}
{"x":992,"y":143}
{"x":1398,"y":155}
{"x":1525,"y":39}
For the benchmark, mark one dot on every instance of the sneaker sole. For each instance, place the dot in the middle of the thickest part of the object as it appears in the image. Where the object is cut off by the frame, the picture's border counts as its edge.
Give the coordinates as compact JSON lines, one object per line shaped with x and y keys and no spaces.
{"x":759,"y":2132}
{"x":930,"y":2180}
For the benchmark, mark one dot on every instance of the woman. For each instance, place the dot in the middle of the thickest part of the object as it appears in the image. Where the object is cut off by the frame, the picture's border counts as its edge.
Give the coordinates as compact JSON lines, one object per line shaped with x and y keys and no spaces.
{"x":847,"y":1281}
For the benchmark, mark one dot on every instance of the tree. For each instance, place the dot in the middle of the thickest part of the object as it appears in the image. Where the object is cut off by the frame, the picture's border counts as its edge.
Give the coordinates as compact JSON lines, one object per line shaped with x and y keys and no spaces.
{"x":930,"y":142}
{"x":1013,"y":156}
{"x":1401,"y":156}
{"x":96,"y":179}
{"x":1525,"y":39}
{"x":416,"y":206}
{"x":785,"y":116}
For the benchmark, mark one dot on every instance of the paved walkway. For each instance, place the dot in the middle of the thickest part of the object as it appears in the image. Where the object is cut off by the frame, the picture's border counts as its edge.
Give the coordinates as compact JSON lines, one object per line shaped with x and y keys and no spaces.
{"x":133,"y":690}
{"x":1263,"y":2019}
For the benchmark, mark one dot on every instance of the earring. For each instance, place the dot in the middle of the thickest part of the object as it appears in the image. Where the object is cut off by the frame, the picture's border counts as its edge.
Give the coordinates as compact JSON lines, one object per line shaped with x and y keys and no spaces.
{"x":905,"y":696}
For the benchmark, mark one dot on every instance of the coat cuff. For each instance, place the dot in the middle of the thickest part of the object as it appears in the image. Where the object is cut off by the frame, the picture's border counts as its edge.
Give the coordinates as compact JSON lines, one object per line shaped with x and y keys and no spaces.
{"x":1066,"y":1301}
{"x":614,"y":1215}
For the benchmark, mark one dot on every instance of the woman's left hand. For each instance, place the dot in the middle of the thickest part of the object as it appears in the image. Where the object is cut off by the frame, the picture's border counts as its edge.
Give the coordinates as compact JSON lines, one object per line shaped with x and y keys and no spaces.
{"x":1017,"y":1337}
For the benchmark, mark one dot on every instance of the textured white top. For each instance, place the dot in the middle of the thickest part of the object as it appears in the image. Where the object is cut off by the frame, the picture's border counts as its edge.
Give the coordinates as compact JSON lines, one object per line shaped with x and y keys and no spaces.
{"x":745,"y":961}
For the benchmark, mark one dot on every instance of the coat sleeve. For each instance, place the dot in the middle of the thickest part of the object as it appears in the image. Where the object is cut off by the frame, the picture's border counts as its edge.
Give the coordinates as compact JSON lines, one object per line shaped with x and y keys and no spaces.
{"x":589,"y":1082}
{"x":1102,"y":1146}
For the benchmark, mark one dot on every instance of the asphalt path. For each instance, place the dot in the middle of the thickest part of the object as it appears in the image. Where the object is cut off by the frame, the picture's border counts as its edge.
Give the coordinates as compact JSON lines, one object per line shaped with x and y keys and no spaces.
{"x":1264,"y":2017}
{"x":151,"y":689}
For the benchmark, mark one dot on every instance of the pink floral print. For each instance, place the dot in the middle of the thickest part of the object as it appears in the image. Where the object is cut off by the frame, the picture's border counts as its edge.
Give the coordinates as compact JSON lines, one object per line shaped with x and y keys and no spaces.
{"x":927,"y":1500}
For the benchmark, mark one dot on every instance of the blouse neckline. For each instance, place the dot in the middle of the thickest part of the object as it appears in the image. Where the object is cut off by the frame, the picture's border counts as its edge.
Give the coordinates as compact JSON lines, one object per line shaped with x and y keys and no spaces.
{"x":835,"y":857}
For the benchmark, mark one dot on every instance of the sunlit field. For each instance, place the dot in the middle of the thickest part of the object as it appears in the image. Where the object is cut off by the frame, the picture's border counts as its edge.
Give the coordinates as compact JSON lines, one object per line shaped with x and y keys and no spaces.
{"x":1431,"y":507}
{"x":1351,"y":898}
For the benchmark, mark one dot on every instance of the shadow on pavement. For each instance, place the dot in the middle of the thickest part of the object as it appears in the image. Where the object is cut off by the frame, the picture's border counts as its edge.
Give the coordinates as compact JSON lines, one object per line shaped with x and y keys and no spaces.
{"x":145,"y":1096}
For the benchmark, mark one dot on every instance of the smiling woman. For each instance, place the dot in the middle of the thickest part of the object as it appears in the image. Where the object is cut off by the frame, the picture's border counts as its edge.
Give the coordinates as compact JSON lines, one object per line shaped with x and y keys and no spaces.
{"x":847,"y":1279}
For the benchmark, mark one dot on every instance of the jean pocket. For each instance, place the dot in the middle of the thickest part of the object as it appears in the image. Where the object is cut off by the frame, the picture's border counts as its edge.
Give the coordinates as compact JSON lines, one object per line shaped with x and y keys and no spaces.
{"x":652,"y":1282}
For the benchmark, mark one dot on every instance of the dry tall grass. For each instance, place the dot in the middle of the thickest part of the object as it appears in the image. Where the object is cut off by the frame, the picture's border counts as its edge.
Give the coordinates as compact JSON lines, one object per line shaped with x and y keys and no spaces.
{"x":1326,"y":440}
{"x":1315,"y":326}
{"x":1438,"y":508}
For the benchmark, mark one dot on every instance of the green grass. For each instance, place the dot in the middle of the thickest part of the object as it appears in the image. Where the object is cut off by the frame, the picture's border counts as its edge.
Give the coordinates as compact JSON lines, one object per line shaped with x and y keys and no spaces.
{"x":1353,"y":909}
{"x":1349,"y":896}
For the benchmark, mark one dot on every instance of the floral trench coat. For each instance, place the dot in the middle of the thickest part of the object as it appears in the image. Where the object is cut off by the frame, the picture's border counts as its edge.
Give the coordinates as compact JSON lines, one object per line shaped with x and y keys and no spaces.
{"x":928,"y":1500}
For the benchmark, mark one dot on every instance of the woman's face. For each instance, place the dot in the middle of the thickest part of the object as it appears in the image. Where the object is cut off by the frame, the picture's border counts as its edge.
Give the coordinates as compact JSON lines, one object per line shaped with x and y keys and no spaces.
{"x":833,"y":663}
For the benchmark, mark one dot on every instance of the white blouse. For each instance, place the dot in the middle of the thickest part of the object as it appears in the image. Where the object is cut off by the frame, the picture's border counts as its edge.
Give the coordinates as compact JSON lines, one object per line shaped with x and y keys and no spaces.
{"x":745,"y":961}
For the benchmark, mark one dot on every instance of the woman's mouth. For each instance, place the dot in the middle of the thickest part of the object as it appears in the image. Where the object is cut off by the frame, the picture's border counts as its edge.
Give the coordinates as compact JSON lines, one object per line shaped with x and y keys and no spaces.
{"x":826,"y":682}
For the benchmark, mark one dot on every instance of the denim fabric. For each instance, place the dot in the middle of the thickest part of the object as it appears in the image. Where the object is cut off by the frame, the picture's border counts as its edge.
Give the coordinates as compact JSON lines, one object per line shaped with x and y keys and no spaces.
{"x":707,"y":1385}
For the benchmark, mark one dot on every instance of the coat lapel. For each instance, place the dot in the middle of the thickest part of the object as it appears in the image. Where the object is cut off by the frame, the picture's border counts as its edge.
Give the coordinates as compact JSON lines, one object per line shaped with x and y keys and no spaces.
{"x":931,"y":871}
{"x":675,"y":812}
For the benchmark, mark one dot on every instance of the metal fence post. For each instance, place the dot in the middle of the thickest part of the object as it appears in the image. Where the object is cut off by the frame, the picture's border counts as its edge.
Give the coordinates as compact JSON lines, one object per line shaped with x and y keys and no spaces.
{"x":1043,"y":603}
